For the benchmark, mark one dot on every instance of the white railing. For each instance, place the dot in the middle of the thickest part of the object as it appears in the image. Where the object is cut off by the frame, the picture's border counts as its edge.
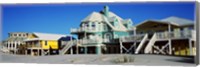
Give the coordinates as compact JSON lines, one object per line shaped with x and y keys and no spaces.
{"x":88,"y":41}
{"x":167,"y":35}
{"x":132,"y":38}
{"x":83,"y":30}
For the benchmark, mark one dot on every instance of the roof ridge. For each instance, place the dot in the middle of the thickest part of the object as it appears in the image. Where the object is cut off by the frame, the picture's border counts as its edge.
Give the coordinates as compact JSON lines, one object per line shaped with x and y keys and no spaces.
{"x":48,"y":33}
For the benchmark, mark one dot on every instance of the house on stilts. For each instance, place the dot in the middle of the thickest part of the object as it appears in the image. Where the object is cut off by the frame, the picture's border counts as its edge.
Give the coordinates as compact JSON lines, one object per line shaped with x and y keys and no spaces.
{"x":106,"y":33}
{"x":35,"y":44}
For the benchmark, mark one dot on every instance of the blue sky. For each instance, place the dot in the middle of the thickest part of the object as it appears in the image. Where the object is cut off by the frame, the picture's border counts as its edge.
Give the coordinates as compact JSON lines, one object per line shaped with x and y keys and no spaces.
{"x":59,"y":18}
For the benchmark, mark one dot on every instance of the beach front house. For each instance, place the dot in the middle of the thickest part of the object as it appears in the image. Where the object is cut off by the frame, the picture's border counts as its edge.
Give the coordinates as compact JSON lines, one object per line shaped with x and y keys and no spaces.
{"x":106,"y":33}
{"x":97,"y":28}
{"x":14,"y":40}
{"x":171,"y":36}
{"x":45,"y":43}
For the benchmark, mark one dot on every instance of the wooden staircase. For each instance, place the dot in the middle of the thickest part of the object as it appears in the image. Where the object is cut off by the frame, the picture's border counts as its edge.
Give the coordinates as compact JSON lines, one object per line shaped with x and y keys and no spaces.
{"x":67,"y":46}
{"x":141,"y":44}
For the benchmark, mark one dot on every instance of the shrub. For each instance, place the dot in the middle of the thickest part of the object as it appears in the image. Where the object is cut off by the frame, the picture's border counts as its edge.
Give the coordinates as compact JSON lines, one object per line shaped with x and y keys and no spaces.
{"x":123,"y":59}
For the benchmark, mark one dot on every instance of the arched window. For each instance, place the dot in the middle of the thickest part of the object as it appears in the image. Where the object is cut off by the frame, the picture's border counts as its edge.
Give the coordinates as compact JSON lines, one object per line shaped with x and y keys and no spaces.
{"x":108,"y":37}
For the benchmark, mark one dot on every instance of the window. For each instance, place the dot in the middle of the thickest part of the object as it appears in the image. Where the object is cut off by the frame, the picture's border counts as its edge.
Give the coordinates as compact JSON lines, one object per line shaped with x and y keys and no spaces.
{"x":83,"y":25}
{"x":93,"y":24}
{"x":26,"y":34}
{"x":45,"y":43}
{"x":10,"y":35}
{"x":86,"y":24}
{"x":105,"y":27}
{"x":108,"y":36}
{"x":19,"y":34}
{"x":15,"y":34}
{"x":13,"y":45}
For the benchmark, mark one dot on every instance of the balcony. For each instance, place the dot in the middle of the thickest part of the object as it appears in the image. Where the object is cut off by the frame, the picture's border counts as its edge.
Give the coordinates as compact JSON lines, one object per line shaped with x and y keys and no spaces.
{"x":81,"y":30}
{"x":132,"y":38}
{"x":83,"y":42}
{"x":174,"y":35}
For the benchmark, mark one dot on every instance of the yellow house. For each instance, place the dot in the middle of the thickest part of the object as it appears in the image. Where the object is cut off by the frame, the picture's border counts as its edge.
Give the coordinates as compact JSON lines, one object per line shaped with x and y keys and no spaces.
{"x":43,"y":43}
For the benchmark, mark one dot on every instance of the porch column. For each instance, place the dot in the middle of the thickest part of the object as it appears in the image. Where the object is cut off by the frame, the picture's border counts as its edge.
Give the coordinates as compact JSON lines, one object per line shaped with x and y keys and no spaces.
{"x":71,"y":50}
{"x":38,"y":52}
{"x":170,"y":45}
{"x":85,"y":49}
{"x":15,"y":48}
{"x":120,"y":45}
{"x":190,"y":47}
{"x":11,"y":45}
{"x":8,"y":45}
{"x":98,"y":49}
{"x":26,"y":52}
{"x":134,"y":31}
{"x":42,"y":52}
{"x":31,"y":51}
{"x":77,"y":49}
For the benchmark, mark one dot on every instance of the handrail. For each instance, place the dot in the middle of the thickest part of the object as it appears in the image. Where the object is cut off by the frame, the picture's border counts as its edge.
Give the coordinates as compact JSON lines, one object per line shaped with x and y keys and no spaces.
{"x":141,"y":43}
{"x":82,"y":29}
{"x":132,"y":38}
{"x":148,"y":48}
{"x":179,"y":34}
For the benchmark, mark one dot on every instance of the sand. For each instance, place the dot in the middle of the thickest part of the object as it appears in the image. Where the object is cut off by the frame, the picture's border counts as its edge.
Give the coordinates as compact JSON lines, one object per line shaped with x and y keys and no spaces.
{"x":106,"y":59}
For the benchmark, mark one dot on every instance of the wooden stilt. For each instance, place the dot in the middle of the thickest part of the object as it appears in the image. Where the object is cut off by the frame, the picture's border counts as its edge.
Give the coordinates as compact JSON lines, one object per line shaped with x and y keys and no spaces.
{"x":121,"y":51}
{"x":77,"y":49}
{"x":190,"y":47}
{"x":71,"y":50}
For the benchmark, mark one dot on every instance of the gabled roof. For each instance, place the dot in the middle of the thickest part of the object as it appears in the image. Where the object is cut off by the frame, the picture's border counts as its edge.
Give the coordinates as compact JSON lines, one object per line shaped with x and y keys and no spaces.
{"x":178,"y":21}
{"x":93,"y":17}
{"x":170,"y":20}
{"x":98,"y":17}
{"x":46,"y":36}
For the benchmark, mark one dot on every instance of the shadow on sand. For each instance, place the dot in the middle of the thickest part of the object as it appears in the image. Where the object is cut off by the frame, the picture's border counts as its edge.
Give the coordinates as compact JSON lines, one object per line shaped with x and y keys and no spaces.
{"x":183,"y":60}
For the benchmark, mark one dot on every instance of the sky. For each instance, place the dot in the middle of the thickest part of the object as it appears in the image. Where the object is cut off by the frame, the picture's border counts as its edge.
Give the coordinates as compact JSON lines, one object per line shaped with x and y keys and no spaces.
{"x":60,"y":18}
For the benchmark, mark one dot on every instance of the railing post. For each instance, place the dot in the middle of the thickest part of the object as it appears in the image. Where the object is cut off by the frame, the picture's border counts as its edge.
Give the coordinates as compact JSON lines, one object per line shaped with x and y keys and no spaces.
{"x":169,"y":39}
{"x":120,"y":41}
{"x":190,"y":47}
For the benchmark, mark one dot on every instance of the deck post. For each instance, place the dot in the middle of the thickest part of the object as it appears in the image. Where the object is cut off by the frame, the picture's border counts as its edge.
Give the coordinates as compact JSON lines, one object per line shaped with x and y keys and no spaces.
{"x":71,"y":51}
{"x":26,"y":51}
{"x":190,"y":47}
{"x":85,"y":49}
{"x":8,"y":45}
{"x":31,"y":52}
{"x":170,"y":44}
{"x":42,"y":52}
{"x":77,"y":49}
{"x":134,"y":30}
{"x":11,"y":46}
{"x":120,"y":41}
{"x":98,"y":49}
{"x":38,"y":52}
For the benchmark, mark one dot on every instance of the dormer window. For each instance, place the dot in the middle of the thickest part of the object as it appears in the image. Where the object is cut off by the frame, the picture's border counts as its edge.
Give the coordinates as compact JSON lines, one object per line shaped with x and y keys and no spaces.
{"x":86,"y":24}
{"x":93,"y":24}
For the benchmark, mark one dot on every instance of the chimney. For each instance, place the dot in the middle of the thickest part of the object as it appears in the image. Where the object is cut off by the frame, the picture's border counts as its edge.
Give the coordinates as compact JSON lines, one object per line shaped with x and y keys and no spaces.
{"x":106,"y":11}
